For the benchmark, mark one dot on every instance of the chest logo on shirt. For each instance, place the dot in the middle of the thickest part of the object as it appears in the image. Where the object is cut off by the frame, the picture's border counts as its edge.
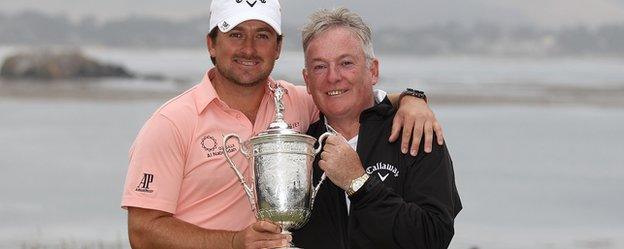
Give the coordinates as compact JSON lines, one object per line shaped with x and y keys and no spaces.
{"x":383,"y":170}
{"x":209,"y":143}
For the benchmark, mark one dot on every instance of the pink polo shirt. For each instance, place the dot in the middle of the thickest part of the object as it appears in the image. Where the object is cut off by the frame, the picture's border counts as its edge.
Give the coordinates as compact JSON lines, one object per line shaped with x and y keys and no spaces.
{"x":177,"y":165}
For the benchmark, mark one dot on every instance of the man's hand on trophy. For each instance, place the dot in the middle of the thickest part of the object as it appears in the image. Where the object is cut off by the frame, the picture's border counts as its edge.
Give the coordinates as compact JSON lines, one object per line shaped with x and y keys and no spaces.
{"x":261,"y":234}
{"x":340,"y":162}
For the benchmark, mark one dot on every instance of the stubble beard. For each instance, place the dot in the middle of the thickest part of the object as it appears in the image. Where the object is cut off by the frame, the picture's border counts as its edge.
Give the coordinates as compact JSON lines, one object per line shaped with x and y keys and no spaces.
{"x":253,"y":82}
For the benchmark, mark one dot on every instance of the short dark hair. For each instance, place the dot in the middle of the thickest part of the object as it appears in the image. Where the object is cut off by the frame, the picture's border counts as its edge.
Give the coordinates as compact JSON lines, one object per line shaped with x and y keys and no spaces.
{"x":213,"y":36}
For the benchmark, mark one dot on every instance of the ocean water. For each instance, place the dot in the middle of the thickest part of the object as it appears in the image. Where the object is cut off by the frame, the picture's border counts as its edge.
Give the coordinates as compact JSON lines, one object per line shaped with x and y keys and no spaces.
{"x":530,"y":175}
{"x":397,"y":71}
{"x":537,"y":177}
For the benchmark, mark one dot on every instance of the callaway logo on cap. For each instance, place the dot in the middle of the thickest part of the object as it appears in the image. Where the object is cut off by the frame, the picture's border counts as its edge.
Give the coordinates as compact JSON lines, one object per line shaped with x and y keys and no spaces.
{"x":251,"y":3}
{"x":226,"y":14}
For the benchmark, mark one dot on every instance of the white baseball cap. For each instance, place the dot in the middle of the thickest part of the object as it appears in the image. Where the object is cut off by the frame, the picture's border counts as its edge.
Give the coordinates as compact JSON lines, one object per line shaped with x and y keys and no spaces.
{"x":226,"y":14}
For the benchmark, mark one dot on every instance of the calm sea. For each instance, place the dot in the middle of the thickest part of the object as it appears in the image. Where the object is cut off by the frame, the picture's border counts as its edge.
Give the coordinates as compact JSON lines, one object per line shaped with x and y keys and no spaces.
{"x":530,"y":175}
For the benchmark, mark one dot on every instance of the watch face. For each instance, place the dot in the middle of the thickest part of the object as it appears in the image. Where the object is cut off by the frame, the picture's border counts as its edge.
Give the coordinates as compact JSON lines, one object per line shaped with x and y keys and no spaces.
{"x":357,"y":184}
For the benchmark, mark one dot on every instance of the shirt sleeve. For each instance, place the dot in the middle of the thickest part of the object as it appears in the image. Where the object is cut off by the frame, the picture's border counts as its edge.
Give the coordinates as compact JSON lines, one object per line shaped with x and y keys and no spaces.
{"x":422,"y":218}
{"x":156,"y":167}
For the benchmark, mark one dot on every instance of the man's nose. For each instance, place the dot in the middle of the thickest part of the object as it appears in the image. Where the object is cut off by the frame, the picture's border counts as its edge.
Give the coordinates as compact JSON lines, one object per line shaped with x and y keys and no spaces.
{"x":333,"y":75}
{"x":249,"y":47}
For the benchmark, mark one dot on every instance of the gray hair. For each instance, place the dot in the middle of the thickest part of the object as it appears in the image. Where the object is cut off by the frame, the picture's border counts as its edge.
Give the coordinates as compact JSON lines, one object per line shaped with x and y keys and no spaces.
{"x":323,"y":20}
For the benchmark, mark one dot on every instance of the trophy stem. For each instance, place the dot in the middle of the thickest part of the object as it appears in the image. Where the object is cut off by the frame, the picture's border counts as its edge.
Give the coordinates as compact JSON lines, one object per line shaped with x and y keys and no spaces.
{"x":290,"y":246}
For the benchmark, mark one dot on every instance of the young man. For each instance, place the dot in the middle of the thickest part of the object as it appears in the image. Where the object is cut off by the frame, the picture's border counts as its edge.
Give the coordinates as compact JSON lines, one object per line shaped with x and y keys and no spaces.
{"x":179,"y":190}
{"x":378,"y":197}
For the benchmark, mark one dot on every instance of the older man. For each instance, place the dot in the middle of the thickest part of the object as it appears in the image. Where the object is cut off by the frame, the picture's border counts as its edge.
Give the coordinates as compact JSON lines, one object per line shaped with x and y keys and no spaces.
{"x":377,"y":197}
{"x":179,"y":190}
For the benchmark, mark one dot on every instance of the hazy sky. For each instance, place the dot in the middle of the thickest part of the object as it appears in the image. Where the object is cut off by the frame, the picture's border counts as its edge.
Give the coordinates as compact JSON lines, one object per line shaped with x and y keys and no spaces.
{"x":546,"y":13}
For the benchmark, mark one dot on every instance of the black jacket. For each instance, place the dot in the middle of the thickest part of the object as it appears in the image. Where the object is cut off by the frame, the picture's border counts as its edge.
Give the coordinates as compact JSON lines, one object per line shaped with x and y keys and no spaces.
{"x":408,"y":202}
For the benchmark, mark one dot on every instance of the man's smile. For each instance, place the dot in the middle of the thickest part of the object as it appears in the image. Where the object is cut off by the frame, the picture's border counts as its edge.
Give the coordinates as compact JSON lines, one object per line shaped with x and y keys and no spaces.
{"x":246,"y":62}
{"x":336,"y":92}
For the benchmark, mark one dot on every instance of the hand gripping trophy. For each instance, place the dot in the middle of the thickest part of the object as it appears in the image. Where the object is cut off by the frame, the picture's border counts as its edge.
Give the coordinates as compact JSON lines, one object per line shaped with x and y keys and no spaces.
{"x":281,"y":160}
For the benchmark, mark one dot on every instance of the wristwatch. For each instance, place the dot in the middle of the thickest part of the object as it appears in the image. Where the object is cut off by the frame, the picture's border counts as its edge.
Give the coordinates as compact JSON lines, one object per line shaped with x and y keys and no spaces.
{"x":356,"y":184}
{"x":412,"y":92}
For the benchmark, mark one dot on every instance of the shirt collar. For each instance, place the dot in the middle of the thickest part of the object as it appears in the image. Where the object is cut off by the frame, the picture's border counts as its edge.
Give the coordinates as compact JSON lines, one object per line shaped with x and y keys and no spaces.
{"x":379,"y":95}
{"x":206,"y":93}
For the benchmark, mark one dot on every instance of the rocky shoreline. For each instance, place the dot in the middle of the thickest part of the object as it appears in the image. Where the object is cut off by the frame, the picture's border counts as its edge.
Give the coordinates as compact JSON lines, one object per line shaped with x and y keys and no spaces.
{"x":51,"y":64}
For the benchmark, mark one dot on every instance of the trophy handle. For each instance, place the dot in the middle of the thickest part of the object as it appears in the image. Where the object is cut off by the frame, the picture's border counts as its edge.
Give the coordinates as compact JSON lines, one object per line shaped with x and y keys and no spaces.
{"x":248,"y":190}
{"x":320,"y":141}
{"x":316,"y":151}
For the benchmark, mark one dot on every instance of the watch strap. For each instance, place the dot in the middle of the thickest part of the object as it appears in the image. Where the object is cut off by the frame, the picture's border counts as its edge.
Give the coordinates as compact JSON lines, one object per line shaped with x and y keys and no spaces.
{"x":415,"y":93}
{"x":356,"y":184}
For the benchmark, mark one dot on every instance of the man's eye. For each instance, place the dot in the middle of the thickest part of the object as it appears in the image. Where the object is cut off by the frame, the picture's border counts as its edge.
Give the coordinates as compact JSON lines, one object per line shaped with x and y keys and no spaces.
{"x":236,"y":35}
{"x":263,"y":36}
{"x":318,"y":67}
{"x":347,"y":63}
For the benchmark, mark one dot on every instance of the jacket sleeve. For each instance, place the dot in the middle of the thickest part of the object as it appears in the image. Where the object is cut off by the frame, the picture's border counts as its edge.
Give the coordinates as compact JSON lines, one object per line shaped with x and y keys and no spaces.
{"x":422,"y":218}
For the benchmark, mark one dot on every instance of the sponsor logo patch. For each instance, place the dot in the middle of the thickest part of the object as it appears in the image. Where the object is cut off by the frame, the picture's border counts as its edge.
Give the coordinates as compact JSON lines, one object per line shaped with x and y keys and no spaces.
{"x":251,"y":3}
{"x":145,"y":183}
{"x":224,"y":25}
{"x":209,"y":144}
{"x":383,"y":170}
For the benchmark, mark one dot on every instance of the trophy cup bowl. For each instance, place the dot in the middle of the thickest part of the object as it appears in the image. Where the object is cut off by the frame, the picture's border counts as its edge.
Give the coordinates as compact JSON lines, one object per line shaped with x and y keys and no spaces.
{"x":281,"y":161}
{"x":283,"y":190}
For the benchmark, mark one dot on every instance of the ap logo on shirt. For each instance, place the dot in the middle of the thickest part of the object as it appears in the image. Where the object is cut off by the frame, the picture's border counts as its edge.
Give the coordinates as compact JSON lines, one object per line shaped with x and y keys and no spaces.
{"x":144,"y":185}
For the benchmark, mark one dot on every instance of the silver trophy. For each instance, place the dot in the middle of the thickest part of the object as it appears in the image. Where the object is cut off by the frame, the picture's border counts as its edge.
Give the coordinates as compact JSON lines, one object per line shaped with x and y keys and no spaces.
{"x":281,"y":160}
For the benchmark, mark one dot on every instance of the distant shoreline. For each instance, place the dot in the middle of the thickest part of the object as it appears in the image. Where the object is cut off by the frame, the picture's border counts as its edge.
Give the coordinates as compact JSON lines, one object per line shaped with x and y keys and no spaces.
{"x":50,"y":91}
{"x":545,"y":96}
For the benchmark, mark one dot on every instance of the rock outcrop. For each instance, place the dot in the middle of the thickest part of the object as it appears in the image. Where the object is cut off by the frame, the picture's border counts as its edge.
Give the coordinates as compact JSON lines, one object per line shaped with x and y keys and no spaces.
{"x":58,"y":64}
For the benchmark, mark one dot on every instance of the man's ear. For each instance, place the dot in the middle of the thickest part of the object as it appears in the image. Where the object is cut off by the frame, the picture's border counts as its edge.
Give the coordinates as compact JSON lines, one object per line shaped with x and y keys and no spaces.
{"x":304,"y":72}
{"x":374,"y":70}
{"x":211,"y":45}
{"x":279,"y":48}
